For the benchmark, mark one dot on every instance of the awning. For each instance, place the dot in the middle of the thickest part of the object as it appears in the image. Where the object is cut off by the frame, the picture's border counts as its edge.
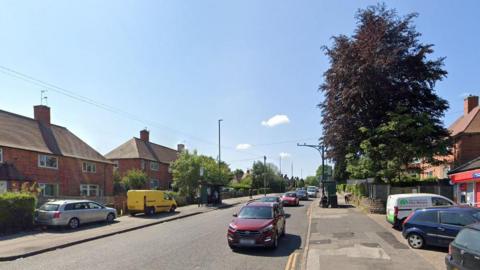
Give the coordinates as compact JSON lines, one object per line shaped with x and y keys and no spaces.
{"x":466,"y":176}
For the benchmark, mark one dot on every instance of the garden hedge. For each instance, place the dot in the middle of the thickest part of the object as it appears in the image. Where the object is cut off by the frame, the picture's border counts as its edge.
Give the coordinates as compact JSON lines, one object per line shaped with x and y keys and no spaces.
{"x":16,"y":212}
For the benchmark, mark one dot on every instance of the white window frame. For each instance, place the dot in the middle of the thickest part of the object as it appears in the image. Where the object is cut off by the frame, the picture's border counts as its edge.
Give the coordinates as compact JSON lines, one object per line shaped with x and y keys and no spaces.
{"x":42,"y":189}
{"x":89,"y":167}
{"x":89,"y":188}
{"x":40,"y":156}
{"x":116,"y":165}
{"x":154,"y":166}
{"x":1,"y":155}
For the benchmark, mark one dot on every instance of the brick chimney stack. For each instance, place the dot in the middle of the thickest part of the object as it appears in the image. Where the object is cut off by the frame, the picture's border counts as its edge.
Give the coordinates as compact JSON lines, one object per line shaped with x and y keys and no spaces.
{"x":469,"y":104}
{"x":41,"y":113}
{"x":144,"y":135}
{"x":180,"y":147}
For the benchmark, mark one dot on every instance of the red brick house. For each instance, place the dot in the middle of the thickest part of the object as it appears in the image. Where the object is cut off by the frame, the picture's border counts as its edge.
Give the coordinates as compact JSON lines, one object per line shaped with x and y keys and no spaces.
{"x":141,"y":154}
{"x":35,"y":150}
{"x":465,"y":132}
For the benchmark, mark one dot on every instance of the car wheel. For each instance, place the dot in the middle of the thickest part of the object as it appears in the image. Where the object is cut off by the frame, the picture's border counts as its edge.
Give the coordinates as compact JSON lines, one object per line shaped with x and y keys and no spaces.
{"x":415,"y":241}
{"x":74,"y":223}
{"x":110,"y":217}
{"x":172,"y":209}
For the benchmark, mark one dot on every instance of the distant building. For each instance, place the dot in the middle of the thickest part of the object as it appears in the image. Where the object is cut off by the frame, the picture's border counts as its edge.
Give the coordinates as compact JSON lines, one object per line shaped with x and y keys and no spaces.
{"x":141,"y":154}
{"x":465,"y":132}
{"x":35,"y":150}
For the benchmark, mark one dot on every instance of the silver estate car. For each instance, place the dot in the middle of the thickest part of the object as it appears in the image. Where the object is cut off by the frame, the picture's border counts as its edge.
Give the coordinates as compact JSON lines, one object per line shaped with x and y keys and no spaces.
{"x":72,"y":213}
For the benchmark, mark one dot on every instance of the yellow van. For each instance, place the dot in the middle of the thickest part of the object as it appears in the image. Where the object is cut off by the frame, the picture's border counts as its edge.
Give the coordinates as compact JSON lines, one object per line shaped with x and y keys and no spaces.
{"x":149,"y":202}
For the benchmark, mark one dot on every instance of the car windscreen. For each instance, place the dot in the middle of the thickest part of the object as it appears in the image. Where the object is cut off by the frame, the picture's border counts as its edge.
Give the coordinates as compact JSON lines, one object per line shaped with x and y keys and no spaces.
{"x":291,"y":195}
{"x":311,"y":189}
{"x":256,"y":212}
{"x":49,"y":207}
{"x":469,"y":239}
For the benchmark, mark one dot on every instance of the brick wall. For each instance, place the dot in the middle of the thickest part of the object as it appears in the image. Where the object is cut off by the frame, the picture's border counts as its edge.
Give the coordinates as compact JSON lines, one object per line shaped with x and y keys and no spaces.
{"x":162,"y":175}
{"x":467,"y":147}
{"x":68,"y":176}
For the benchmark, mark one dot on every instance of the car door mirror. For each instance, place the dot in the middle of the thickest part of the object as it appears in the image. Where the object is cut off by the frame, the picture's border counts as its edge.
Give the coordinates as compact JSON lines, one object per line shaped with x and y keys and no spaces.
{"x":235,"y":215}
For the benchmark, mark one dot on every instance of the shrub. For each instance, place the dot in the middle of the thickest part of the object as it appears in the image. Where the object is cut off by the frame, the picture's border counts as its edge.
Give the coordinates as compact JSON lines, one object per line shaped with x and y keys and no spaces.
{"x":181,"y":200}
{"x":16,"y":211}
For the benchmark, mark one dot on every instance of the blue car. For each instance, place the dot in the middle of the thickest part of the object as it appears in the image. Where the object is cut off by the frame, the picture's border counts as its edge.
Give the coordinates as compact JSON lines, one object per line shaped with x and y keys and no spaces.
{"x":437,"y":226}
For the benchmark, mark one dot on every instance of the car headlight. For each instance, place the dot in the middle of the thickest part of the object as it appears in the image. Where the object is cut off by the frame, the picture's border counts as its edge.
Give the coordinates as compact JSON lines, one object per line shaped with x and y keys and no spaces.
{"x":268,"y":228}
{"x":232,"y":227}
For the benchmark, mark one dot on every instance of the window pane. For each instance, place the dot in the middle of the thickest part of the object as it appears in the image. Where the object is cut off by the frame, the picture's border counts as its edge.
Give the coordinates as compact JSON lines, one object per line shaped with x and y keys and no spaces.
{"x":426,"y":216}
{"x":459,"y":219}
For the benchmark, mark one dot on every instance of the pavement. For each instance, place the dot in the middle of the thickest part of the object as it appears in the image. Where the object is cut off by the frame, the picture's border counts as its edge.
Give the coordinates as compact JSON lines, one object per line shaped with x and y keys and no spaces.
{"x":32,"y":243}
{"x":346,"y":238}
{"x":196,"y":242}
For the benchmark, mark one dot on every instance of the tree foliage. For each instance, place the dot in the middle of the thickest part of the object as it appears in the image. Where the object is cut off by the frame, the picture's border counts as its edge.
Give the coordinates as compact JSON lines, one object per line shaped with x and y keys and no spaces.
{"x":186,"y":172}
{"x":380,"y":110}
{"x":135,"y":179}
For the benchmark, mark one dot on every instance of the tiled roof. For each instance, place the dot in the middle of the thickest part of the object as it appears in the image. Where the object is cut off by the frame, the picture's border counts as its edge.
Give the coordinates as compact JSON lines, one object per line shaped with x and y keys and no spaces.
{"x":469,"y":123}
{"x":471,"y":165}
{"x":21,"y":132}
{"x":136,"y":148}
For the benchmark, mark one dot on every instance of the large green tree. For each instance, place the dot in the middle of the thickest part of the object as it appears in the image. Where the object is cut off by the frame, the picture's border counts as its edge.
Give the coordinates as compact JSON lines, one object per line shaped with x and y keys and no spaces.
{"x":380,"y":110}
{"x":134,"y":179}
{"x":186,"y":172}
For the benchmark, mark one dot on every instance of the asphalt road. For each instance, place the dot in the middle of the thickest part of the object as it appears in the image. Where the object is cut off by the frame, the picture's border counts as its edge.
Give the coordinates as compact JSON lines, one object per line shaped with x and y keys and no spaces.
{"x":197,"y":242}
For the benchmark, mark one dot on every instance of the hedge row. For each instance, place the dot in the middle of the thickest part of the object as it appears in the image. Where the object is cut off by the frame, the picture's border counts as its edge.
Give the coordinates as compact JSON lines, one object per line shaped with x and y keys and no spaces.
{"x":16,"y":212}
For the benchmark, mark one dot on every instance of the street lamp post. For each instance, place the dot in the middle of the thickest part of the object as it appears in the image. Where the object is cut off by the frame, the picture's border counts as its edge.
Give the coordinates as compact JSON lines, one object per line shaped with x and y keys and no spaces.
{"x":320,"y":148}
{"x":219,"y":151}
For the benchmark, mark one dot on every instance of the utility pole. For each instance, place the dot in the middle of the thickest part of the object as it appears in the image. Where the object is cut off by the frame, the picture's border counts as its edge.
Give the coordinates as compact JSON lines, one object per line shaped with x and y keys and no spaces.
{"x":265,"y":175}
{"x":292,"y":169}
{"x":219,"y":152}
{"x":281,"y":165}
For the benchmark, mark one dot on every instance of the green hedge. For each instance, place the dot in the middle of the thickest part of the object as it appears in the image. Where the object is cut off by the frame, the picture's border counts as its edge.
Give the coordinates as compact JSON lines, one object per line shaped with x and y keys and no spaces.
{"x":16,"y":212}
{"x":359,"y":190}
{"x":181,"y":200}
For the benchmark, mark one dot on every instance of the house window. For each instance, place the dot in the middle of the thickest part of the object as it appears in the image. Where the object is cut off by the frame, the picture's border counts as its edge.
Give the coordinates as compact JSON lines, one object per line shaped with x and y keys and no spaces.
{"x":89,"y":167}
{"x":154,"y":166}
{"x":142,"y":164}
{"x":1,"y":155}
{"x":430,"y":173}
{"x":48,"y":190}
{"x":115,"y":165}
{"x":446,"y":169}
{"x":89,"y":190}
{"x":154,"y":184}
{"x":46,"y":161}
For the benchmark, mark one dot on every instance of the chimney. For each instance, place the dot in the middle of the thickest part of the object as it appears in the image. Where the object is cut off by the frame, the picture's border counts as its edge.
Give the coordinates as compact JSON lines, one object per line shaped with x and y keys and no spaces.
{"x":41,"y":113}
{"x":144,"y":135}
{"x":180,"y":147}
{"x":469,"y":104}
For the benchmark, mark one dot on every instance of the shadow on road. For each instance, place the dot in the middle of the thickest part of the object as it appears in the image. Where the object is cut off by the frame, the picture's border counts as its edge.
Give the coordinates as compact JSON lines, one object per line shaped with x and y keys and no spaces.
{"x":157,"y":216}
{"x":345,"y":206}
{"x":286,"y":246}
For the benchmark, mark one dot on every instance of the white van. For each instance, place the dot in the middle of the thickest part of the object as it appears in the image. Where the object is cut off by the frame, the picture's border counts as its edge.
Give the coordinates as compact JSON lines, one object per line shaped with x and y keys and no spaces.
{"x":399,"y":206}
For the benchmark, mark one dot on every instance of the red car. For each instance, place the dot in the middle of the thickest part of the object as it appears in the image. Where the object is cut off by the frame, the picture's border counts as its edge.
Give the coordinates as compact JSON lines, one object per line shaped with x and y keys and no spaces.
{"x":258,"y":224}
{"x":290,"y":198}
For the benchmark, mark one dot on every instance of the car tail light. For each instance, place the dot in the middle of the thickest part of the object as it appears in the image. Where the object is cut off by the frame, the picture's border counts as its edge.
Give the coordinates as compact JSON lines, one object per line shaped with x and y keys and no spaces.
{"x":395,"y":211}
{"x":56,"y":214}
{"x":450,"y":249}
{"x":408,"y":218}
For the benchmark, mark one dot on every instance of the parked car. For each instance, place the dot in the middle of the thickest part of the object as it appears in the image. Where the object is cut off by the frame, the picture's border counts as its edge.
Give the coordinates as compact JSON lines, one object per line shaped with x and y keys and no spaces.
{"x":149,"y":202}
{"x":258,"y":224}
{"x":302,"y":195}
{"x":399,"y":206}
{"x":72,"y":213}
{"x":290,"y":198}
{"x":464,"y":251}
{"x":312,"y":191}
{"x":437,"y":226}
{"x":275,"y":199}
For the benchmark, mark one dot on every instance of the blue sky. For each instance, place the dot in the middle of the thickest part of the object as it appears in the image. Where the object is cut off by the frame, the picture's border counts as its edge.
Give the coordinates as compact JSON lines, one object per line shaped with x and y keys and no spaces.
{"x":178,"y":66}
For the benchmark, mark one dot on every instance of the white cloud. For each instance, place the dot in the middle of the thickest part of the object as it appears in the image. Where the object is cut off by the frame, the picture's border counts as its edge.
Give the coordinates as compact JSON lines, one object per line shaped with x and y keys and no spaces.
{"x":243,"y":146}
{"x":284,"y":155}
{"x":278,"y":119}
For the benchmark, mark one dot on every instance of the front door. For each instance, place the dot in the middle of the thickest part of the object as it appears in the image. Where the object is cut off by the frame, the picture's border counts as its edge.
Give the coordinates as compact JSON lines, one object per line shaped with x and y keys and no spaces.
{"x":3,"y":187}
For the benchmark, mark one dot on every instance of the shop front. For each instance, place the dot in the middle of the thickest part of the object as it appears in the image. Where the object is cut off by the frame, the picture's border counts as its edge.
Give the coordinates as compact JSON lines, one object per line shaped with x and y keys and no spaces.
{"x":466,"y":181}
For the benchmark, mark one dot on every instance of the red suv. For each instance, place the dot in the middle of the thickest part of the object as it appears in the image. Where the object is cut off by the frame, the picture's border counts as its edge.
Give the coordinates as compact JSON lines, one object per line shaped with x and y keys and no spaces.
{"x":258,"y":224}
